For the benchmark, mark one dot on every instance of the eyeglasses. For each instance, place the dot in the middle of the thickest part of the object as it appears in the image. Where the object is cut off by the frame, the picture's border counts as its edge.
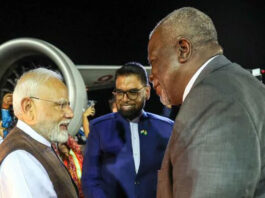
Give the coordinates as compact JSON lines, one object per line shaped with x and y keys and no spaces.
{"x":132,"y":94}
{"x":61,"y":104}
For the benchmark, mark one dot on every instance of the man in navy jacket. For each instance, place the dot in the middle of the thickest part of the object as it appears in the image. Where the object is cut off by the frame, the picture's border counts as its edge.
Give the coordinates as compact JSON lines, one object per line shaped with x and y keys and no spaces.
{"x":124,"y":150}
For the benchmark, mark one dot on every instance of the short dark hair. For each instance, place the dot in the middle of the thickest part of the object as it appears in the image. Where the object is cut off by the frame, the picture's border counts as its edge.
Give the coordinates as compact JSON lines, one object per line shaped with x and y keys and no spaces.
{"x":133,"y":68}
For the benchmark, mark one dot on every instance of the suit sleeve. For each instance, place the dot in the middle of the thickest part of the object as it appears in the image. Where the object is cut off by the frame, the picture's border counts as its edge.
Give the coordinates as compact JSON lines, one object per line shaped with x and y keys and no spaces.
{"x":215,"y":149}
{"x":91,"y":176}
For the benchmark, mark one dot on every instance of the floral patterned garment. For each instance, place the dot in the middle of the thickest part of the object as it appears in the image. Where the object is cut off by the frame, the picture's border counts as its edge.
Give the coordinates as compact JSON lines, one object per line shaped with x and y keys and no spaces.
{"x":73,"y":162}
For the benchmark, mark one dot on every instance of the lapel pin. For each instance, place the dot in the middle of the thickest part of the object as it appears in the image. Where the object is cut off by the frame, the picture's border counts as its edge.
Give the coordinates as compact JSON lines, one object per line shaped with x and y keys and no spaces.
{"x":143,"y":132}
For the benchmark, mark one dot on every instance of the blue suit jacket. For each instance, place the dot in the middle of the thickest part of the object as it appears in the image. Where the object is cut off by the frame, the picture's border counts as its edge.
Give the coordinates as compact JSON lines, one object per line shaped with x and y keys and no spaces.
{"x":108,"y":169}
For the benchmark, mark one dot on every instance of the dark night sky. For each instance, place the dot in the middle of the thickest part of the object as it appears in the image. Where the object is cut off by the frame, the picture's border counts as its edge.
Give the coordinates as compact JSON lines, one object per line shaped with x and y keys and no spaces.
{"x":114,"y":32}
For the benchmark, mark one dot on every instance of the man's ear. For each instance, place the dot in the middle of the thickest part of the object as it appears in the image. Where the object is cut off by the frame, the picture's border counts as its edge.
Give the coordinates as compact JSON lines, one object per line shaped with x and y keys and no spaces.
{"x":28,"y":111}
{"x":183,"y":48}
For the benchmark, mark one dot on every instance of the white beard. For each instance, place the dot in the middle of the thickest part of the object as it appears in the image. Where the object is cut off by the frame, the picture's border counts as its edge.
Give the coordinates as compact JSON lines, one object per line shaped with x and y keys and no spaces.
{"x":57,"y":135}
{"x":54,"y":134}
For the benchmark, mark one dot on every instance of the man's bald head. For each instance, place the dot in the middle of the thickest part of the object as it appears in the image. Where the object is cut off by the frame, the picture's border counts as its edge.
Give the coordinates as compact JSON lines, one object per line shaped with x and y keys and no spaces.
{"x":190,"y":23}
{"x":178,"y":46}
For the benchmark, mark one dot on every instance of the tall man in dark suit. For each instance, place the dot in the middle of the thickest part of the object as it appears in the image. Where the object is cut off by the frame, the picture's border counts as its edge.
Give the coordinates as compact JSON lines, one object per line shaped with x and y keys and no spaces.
{"x":217,"y":146}
{"x":124,"y":150}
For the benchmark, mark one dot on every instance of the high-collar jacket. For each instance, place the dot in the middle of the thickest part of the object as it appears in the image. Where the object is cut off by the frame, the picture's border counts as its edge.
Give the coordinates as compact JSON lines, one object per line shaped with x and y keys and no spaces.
{"x":109,"y":170}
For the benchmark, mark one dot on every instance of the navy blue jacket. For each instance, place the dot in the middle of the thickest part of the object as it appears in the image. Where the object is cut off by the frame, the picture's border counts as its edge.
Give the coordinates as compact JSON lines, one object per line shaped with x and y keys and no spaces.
{"x":108,"y":168}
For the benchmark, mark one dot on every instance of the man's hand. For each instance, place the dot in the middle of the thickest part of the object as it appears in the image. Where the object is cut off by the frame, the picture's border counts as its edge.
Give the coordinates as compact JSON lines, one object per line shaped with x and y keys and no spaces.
{"x":90,"y":111}
{"x":7,"y":101}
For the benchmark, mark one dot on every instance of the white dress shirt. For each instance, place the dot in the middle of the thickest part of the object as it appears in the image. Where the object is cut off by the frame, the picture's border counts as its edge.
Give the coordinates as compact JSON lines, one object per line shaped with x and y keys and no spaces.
{"x":194,"y":77}
{"x":135,"y":143}
{"x":22,"y":175}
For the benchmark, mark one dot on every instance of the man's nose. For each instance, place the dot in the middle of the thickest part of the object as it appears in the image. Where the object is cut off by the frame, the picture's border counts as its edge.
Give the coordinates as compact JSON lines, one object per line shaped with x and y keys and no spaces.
{"x":125,"y":97}
{"x":68,"y":113}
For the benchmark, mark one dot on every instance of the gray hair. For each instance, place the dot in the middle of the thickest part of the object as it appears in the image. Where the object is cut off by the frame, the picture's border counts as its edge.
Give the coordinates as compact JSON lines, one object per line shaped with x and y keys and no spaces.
{"x":29,"y":83}
{"x":189,"y":23}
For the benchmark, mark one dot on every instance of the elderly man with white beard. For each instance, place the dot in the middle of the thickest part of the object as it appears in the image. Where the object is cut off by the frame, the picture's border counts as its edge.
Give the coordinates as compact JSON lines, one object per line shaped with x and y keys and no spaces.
{"x":28,"y":165}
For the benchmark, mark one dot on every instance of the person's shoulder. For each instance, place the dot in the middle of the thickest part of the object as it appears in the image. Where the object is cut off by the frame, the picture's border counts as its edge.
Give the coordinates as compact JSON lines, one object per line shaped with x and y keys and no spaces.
{"x":20,"y":156}
{"x":23,"y":169}
{"x":160,"y":118}
{"x":103,"y":119}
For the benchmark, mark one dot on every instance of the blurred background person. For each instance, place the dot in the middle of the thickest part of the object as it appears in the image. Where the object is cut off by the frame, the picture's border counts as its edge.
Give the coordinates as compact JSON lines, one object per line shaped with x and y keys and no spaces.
{"x":6,"y":115}
{"x":72,"y":157}
{"x":1,"y":132}
{"x":83,"y":132}
{"x":87,"y":115}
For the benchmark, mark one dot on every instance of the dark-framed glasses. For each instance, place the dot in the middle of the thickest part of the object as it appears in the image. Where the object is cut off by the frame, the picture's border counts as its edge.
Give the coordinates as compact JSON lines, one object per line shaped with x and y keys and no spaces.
{"x":132,"y":94}
{"x":61,"y":104}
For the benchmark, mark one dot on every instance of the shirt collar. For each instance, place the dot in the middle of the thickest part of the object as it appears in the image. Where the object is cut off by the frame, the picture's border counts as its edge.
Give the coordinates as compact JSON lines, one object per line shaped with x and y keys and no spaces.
{"x":32,"y":133}
{"x":194,"y":77}
{"x":135,"y":120}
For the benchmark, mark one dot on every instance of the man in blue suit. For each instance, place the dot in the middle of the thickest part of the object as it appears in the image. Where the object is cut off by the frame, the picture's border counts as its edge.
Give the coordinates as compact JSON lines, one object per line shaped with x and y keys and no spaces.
{"x":124,"y":150}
